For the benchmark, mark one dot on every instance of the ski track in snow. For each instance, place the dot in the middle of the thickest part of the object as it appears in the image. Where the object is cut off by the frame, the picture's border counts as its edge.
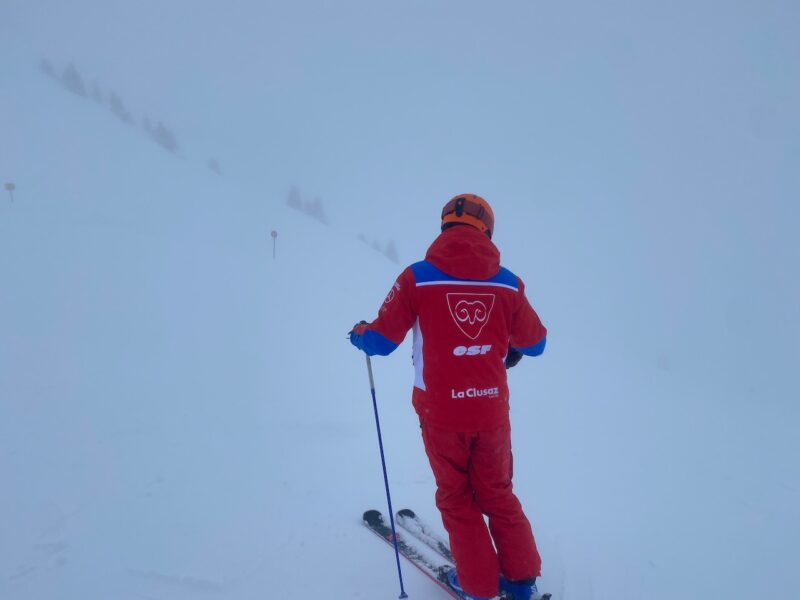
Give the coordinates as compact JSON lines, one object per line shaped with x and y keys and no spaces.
{"x":194,"y":584}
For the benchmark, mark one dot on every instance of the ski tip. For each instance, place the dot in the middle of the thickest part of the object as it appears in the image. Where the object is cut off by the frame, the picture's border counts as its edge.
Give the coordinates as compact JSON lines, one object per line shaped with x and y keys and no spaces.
{"x":371,"y":515}
{"x":406,"y":512}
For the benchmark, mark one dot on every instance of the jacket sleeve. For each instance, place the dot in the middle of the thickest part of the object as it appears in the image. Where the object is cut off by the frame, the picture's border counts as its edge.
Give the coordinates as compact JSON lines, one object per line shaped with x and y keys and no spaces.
{"x":528,"y":335}
{"x":396,"y":316}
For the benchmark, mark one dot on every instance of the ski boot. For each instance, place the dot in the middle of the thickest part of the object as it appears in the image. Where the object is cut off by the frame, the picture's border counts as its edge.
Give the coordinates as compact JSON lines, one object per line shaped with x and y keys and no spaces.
{"x":520,"y":590}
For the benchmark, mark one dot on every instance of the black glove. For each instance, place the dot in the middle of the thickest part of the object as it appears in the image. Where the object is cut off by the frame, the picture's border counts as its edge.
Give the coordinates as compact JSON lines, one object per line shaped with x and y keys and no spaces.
{"x":513,"y":357}
{"x":355,"y":333}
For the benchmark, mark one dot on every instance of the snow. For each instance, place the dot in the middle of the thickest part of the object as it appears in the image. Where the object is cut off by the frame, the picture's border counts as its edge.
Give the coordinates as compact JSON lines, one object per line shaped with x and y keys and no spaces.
{"x":182,"y":417}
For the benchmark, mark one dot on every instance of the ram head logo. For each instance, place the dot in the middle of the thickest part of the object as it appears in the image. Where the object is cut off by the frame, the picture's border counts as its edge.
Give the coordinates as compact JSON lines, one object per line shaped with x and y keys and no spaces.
{"x":471,"y":312}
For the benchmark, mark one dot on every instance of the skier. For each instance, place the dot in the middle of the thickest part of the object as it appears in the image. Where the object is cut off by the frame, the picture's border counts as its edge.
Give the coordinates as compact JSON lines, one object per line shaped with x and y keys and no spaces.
{"x":471,"y":322}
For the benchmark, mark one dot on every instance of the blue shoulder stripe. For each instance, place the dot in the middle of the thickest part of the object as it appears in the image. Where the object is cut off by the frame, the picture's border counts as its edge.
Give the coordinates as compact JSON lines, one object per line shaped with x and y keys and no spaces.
{"x":426,"y":274}
{"x":505,"y":277}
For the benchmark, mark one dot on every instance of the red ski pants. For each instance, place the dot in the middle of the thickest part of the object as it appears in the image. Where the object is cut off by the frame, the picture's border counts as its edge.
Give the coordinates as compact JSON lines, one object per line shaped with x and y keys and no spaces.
{"x":473,"y":477}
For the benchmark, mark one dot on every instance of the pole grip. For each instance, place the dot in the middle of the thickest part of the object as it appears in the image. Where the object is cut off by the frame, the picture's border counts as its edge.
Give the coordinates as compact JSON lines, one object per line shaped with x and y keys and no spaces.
{"x":369,"y":370}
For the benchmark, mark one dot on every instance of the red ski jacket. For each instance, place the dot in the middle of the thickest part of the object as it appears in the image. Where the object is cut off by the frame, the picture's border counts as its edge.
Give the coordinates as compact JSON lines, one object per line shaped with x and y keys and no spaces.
{"x":466,"y":311}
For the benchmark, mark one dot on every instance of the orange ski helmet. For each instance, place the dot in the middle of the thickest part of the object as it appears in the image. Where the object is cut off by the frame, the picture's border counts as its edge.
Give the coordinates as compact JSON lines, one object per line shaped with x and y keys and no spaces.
{"x":470,"y":210}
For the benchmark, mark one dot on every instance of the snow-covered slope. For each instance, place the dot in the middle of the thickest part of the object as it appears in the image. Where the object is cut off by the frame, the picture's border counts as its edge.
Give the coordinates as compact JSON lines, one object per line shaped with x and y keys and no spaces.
{"x":182,"y":417}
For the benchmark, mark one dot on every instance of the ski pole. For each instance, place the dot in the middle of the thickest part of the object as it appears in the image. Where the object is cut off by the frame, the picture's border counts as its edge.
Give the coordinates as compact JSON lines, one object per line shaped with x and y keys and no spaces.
{"x":385,"y":478}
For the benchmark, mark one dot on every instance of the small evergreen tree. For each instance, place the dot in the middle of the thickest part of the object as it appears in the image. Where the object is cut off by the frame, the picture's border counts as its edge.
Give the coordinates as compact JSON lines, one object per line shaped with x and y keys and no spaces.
{"x":213,"y":164}
{"x":294,"y":199}
{"x":73,"y":81}
{"x":118,"y":108}
{"x":165,"y":138}
{"x":391,"y":252}
{"x":316,"y":210}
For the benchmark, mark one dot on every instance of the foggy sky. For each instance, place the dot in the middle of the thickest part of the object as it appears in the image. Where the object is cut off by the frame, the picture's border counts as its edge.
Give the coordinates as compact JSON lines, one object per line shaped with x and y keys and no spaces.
{"x":668,"y":133}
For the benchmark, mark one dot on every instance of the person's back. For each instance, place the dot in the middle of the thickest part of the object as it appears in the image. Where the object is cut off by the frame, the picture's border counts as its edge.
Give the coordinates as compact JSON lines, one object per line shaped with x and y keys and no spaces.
{"x":469,"y":315}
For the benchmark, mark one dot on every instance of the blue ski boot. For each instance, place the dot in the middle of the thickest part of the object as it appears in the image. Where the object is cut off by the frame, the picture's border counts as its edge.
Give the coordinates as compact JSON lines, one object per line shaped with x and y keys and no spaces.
{"x":520,"y":590}
{"x":452,"y":579}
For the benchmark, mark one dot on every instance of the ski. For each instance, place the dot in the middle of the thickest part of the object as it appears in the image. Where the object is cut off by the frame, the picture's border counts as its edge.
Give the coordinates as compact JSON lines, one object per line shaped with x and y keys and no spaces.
{"x":375,"y":522}
{"x":410,"y":522}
